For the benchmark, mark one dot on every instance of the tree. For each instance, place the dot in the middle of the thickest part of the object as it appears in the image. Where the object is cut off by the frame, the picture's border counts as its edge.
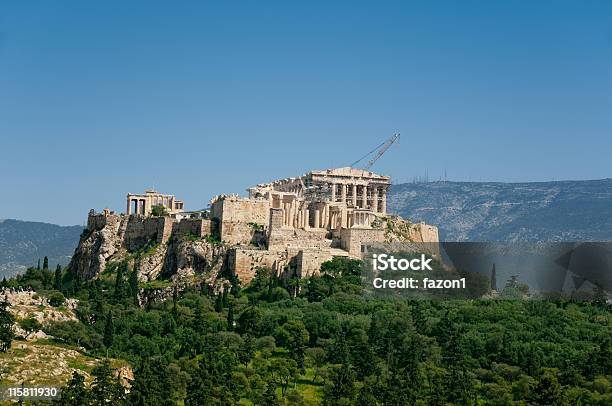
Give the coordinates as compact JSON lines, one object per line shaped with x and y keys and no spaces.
{"x":230,"y":317}
{"x":57,"y":280}
{"x":133,"y":285}
{"x":294,"y":336}
{"x":341,"y":389}
{"x":46,"y":263}
{"x":151,"y":385}
{"x":158,"y":210}
{"x":283,"y":371}
{"x":119,"y":293}
{"x":270,"y":398}
{"x":30,"y":324}
{"x":493,"y":279}
{"x":105,"y":388}
{"x":6,"y":327}
{"x":75,"y":393}
{"x":548,"y":391}
{"x":108,"y":330}
{"x":56,"y":298}
{"x":247,"y":350}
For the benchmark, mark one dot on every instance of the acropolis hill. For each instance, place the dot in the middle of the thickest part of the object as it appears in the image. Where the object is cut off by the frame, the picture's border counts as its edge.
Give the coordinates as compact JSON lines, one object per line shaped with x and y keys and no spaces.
{"x":290,"y":225}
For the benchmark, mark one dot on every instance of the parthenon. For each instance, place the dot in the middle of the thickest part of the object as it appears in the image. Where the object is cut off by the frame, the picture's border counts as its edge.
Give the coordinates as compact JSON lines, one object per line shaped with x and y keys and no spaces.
{"x":329,"y":199}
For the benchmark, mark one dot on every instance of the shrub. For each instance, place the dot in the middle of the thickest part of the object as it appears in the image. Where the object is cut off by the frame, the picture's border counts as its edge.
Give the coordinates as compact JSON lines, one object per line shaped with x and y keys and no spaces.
{"x":56,"y":298}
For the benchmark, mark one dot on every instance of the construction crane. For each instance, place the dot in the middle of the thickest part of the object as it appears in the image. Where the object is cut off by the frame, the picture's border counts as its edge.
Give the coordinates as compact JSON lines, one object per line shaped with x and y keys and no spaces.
{"x":380,"y":150}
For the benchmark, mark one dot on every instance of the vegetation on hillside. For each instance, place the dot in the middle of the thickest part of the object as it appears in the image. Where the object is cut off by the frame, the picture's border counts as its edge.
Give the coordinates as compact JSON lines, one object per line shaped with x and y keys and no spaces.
{"x":319,"y":340}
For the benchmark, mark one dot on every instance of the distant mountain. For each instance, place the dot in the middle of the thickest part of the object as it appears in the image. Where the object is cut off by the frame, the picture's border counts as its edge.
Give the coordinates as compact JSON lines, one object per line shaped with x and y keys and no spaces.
{"x":492,"y":211}
{"x":22,"y":243}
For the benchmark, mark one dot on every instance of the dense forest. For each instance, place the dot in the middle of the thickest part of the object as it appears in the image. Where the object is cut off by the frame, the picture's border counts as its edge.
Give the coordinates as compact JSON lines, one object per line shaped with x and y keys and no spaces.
{"x":319,"y":340}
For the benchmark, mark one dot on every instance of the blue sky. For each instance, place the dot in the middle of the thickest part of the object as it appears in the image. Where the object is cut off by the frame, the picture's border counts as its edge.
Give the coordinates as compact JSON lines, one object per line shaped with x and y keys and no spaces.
{"x":198,"y":98}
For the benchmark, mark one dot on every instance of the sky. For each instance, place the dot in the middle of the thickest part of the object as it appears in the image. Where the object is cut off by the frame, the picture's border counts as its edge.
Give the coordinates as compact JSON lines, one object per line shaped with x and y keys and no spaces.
{"x":98,"y":99}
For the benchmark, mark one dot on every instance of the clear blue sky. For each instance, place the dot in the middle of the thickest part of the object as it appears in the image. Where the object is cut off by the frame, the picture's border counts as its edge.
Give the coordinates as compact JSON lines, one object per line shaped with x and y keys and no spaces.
{"x":98,"y":99}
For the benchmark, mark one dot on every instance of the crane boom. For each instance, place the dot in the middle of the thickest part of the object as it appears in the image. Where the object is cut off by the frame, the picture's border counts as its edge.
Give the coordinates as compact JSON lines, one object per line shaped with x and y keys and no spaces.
{"x":382,"y":150}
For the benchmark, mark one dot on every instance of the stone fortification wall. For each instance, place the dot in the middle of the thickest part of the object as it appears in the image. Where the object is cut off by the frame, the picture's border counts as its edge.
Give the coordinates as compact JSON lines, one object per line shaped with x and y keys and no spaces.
{"x":141,"y":230}
{"x":244,"y":261}
{"x":239,"y":218}
{"x":353,"y":238}
{"x":198,"y":227}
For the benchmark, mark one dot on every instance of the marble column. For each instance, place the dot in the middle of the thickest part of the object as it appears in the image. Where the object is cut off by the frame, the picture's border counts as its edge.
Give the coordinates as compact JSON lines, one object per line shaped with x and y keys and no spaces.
{"x":383,"y":205}
{"x":343,"y":194}
{"x":364,"y":197}
{"x":375,"y":200}
{"x":354,"y":196}
{"x":317,"y":218}
{"x":333,"y":192}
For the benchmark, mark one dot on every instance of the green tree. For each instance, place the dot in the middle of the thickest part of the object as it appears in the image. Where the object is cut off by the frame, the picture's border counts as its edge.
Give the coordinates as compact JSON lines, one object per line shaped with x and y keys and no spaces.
{"x":120,"y":290}
{"x":294,"y":336}
{"x":30,"y":324}
{"x":75,"y":393}
{"x":56,"y":298}
{"x":247,"y":350}
{"x":270,"y":398}
{"x":341,"y":389}
{"x":109,"y":330}
{"x":151,"y":385}
{"x":105,"y":388}
{"x":46,"y":263}
{"x":133,"y":284}
{"x":6,"y":327}
{"x":230,"y":317}
{"x":57,"y":279}
{"x":158,"y":210}
{"x":548,"y":391}
{"x":283,"y":371}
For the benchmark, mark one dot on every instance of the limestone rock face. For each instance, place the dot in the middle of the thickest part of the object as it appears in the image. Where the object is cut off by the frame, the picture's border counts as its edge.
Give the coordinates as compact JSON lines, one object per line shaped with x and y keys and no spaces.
{"x":198,"y":257}
{"x":398,"y":229}
{"x":150,"y":267}
{"x":95,"y":248}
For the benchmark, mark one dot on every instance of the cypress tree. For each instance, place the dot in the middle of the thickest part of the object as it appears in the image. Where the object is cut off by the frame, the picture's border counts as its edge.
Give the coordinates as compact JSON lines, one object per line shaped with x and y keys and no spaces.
{"x":46,"y":263}
{"x":108,"y":330}
{"x":133,"y":284}
{"x":57,"y":280}
{"x":493,"y":279}
{"x":75,"y":393}
{"x":230,"y":317}
{"x":120,"y":283}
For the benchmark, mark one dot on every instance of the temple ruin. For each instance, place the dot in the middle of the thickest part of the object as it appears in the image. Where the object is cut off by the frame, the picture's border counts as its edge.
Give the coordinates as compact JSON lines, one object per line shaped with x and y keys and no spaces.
{"x":143,"y":203}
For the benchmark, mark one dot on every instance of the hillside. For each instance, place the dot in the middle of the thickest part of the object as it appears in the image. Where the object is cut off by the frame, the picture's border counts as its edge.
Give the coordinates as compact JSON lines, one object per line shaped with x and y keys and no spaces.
{"x":493,"y":211}
{"x":22,"y":243}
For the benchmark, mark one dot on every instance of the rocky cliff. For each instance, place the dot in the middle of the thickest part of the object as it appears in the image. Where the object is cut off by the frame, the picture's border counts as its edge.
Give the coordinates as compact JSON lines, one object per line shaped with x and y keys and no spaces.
{"x":165,"y":255}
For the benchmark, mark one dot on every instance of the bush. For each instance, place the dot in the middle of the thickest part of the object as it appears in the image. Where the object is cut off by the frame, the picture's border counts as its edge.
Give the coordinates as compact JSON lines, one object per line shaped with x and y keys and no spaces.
{"x":30,"y":324}
{"x":56,"y":298}
{"x":158,"y":210}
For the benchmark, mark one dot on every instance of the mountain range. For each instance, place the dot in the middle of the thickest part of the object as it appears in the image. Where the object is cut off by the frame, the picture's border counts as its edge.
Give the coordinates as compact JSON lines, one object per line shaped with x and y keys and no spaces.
{"x":463,"y":211}
{"x":495,"y":211}
{"x":23,"y":243}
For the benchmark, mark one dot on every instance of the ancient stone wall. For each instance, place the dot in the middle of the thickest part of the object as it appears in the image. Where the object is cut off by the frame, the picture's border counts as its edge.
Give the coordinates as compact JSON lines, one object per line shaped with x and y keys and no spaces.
{"x":353,"y":238}
{"x":189,"y":226}
{"x":308,"y":261}
{"x":142,"y":230}
{"x":244,"y":261}
{"x":239,"y":218}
